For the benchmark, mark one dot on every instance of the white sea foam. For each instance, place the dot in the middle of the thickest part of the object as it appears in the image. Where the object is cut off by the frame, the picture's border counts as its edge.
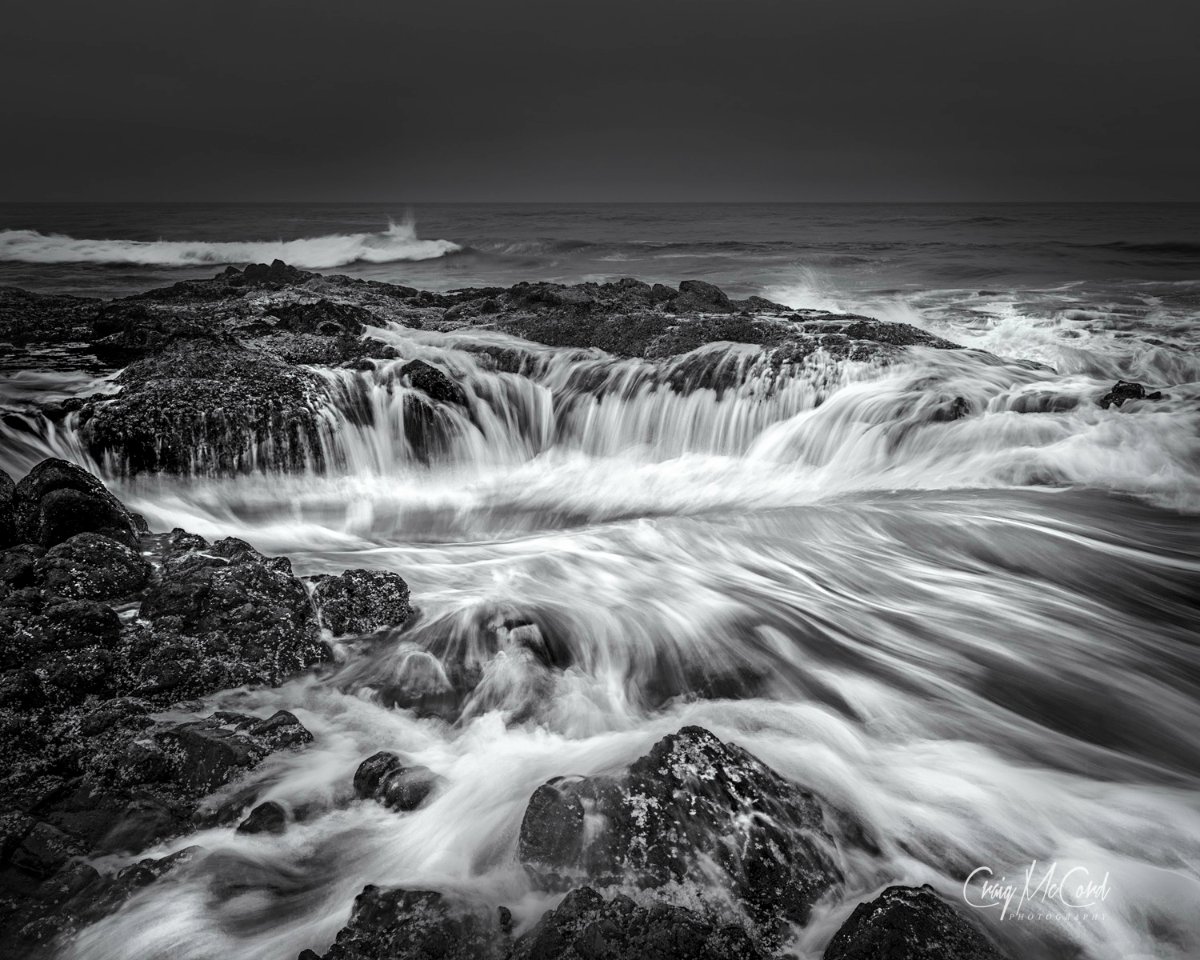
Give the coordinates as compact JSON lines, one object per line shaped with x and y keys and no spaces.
{"x":397,"y":243}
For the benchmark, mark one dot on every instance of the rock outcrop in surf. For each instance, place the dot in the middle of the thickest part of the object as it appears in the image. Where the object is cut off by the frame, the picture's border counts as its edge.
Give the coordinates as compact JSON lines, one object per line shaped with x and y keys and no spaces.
{"x":220,"y":376}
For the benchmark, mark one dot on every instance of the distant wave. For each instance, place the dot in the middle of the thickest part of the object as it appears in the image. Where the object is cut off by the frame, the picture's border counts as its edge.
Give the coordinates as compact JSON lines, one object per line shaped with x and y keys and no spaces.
{"x":1184,"y":247}
{"x":1181,"y":248}
{"x":398,"y":242}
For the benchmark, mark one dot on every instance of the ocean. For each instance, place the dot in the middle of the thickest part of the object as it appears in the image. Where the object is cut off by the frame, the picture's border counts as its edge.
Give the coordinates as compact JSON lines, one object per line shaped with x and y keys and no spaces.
{"x":977,"y":638}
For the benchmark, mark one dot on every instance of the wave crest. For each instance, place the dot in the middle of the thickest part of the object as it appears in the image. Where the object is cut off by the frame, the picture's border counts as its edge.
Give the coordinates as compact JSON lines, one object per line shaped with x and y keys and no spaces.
{"x":398,"y":242}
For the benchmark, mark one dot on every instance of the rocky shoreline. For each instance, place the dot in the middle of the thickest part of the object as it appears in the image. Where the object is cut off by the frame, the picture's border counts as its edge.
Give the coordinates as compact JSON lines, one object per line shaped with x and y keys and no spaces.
{"x":218,"y":376}
{"x":110,"y":626}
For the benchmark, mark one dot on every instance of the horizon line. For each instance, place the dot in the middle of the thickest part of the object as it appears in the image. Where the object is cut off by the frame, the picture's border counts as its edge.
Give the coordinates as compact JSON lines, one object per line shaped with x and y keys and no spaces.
{"x":268,"y":203}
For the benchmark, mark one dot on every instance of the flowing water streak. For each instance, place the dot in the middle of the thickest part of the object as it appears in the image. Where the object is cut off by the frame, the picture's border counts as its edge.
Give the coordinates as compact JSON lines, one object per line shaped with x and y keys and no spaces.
{"x":815,"y":562}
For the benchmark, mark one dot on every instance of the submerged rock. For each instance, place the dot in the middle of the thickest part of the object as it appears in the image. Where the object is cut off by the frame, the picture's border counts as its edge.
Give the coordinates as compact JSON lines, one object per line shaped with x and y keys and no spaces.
{"x":362,"y":601}
{"x":1126,"y":390}
{"x":908,"y":923}
{"x":269,"y":817}
{"x":432,"y":381}
{"x":691,"y":799}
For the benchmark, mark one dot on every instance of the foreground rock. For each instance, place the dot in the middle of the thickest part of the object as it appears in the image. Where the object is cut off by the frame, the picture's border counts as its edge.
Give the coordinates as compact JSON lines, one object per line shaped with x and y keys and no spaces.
{"x":234,"y":617}
{"x":393,"y":924}
{"x":98,"y":640}
{"x":692,"y":799}
{"x":586,"y":926}
{"x":908,"y":923}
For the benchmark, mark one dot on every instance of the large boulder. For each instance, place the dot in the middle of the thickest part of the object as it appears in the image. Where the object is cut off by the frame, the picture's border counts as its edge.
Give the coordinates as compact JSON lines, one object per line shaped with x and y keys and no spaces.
{"x":908,"y":923}
{"x":206,"y":405}
{"x":57,"y":500}
{"x":237,"y":616}
{"x":691,"y":800}
{"x":585,"y":926}
{"x":89,"y":566}
{"x":362,"y":601}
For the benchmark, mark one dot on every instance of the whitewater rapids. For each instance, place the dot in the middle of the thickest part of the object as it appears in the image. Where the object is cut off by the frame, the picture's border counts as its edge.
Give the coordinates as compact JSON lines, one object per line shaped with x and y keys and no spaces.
{"x":976,"y":636}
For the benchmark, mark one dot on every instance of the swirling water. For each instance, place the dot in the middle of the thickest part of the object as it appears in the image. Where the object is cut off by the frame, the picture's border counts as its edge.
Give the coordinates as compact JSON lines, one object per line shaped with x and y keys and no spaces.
{"x":976,"y":637}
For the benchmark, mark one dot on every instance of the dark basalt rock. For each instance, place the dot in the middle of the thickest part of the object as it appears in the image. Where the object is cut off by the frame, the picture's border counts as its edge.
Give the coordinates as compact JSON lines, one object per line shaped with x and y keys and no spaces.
{"x":372,"y":773}
{"x":1126,"y":390}
{"x":73,"y":624}
{"x":18,"y":565}
{"x":362,"y":601}
{"x":251,"y":620}
{"x":89,"y":566}
{"x":691,"y":797}
{"x":8,"y":528}
{"x":209,"y":753}
{"x":57,"y":500}
{"x":699,"y":296}
{"x":585,"y":926}
{"x":204,"y":406}
{"x":267,"y":817}
{"x":433,"y":382}
{"x":908,"y":923}
{"x":384,"y":777}
{"x":79,"y":895}
{"x":261,"y":274}
{"x":400,"y":924}
{"x":85,"y":768}
{"x":323,"y":317}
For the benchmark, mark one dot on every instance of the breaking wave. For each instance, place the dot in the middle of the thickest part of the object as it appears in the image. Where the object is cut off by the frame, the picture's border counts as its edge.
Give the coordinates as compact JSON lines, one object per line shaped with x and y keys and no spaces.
{"x":399,"y":242}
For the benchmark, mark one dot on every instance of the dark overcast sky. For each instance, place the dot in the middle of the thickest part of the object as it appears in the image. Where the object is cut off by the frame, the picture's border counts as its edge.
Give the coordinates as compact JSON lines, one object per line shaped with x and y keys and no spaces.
{"x":615,"y":100}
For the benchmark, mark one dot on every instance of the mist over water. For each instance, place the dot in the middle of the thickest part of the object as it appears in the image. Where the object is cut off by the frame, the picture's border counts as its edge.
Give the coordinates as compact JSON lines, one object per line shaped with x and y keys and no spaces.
{"x":976,"y":638}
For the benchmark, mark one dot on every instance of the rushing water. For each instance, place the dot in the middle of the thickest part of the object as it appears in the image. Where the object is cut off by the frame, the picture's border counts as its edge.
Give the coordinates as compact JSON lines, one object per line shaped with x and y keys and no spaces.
{"x":976,"y":637}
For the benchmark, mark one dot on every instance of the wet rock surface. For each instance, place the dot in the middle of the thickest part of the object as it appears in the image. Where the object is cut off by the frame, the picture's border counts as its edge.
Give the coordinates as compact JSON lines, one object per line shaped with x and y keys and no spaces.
{"x":232,"y":615}
{"x":385,"y":777}
{"x":57,"y":500}
{"x":691,"y":798}
{"x":1124,"y":390}
{"x":102,"y":636}
{"x":908,"y":923}
{"x":362,"y":601}
{"x":586,"y":926}
{"x":389,"y":924}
